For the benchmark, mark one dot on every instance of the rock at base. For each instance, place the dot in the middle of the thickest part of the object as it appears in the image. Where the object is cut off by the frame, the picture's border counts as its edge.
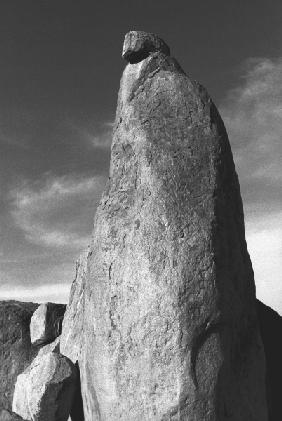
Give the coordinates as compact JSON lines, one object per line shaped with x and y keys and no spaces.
{"x":44,"y":391}
{"x":16,"y":350}
{"x":6,"y":415}
{"x":46,"y":323}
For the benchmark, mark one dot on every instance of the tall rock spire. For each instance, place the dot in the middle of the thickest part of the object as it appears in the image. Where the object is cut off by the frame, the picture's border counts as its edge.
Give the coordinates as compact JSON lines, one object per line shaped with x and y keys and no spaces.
{"x":170,"y":328}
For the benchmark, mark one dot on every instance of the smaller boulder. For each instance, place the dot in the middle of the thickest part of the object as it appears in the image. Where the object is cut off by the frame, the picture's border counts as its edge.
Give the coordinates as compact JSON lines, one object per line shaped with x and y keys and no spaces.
{"x":6,"y":415}
{"x":46,"y":323}
{"x":138,"y":45}
{"x":45,"y":390}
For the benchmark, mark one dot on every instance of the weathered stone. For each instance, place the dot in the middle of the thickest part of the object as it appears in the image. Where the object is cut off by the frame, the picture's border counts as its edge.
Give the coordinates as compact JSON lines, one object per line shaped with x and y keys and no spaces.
{"x":138,"y":45}
{"x":71,"y":338}
{"x":271,"y":334}
{"x":44,"y":391}
{"x":46,"y":323}
{"x":170,"y":327}
{"x":6,"y":415}
{"x":16,"y":350}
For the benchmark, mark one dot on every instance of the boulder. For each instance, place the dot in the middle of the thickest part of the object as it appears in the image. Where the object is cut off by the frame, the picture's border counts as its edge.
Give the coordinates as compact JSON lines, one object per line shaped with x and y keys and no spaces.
{"x":138,"y":45}
{"x":6,"y":415}
{"x":44,"y":391}
{"x":46,"y":323}
{"x":16,"y":350}
{"x":170,"y":329}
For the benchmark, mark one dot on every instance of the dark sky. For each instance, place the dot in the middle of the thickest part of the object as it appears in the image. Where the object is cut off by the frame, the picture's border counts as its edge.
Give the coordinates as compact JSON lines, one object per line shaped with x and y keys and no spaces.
{"x":59,"y":77}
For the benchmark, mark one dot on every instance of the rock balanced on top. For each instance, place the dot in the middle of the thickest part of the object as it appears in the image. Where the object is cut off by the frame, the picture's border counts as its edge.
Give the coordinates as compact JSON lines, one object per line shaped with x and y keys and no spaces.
{"x":138,"y":45}
{"x":169,"y":321}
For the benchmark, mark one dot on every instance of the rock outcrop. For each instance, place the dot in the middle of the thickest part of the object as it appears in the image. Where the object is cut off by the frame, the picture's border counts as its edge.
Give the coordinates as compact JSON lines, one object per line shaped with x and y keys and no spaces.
{"x":271,"y":333}
{"x":16,"y":350}
{"x":170,"y":330}
{"x":45,"y":390}
{"x":46,"y":323}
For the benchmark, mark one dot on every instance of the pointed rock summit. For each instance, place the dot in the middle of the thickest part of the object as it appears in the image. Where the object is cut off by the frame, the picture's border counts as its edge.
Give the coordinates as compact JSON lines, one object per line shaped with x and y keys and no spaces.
{"x":169,"y":320}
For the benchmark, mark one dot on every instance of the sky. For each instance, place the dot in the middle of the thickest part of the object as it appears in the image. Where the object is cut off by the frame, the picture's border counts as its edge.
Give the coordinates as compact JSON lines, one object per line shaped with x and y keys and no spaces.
{"x":59,"y":77}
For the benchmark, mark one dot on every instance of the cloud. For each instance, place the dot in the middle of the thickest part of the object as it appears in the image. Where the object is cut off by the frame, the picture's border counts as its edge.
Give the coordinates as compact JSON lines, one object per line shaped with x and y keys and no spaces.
{"x":58,"y":212}
{"x":264,"y":238}
{"x":252,"y":113}
{"x":56,"y":293}
{"x":98,"y":136}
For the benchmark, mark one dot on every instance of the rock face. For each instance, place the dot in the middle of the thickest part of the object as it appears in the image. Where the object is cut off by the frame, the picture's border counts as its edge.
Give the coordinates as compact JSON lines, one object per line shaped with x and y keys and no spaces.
{"x":44,"y":391}
{"x":16,"y":350}
{"x":271,"y":333}
{"x":170,"y":328}
{"x":46,"y":323}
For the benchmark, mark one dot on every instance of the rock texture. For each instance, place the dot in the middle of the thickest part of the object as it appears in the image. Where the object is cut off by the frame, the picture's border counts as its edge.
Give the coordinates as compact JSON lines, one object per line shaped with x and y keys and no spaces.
{"x":271,"y":333}
{"x":44,"y":391}
{"x":46,"y":323}
{"x":16,"y":350}
{"x":169,"y":320}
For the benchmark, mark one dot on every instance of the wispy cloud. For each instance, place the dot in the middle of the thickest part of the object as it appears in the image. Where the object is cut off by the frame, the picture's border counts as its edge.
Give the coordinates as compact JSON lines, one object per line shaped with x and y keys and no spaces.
{"x":57,"y":212}
{"x":98,"y":136}
{"x":252,"y":113}
{"x":253,"y":116}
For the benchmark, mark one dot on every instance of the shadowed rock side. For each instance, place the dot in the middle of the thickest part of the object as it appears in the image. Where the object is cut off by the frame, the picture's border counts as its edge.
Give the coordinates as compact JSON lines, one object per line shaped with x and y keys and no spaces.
{"x":71,"y":342}
{"x":271,"y":333}
{"x":73,"y":322}
{"x":169,"y":320}
{"x":16,"y":349}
